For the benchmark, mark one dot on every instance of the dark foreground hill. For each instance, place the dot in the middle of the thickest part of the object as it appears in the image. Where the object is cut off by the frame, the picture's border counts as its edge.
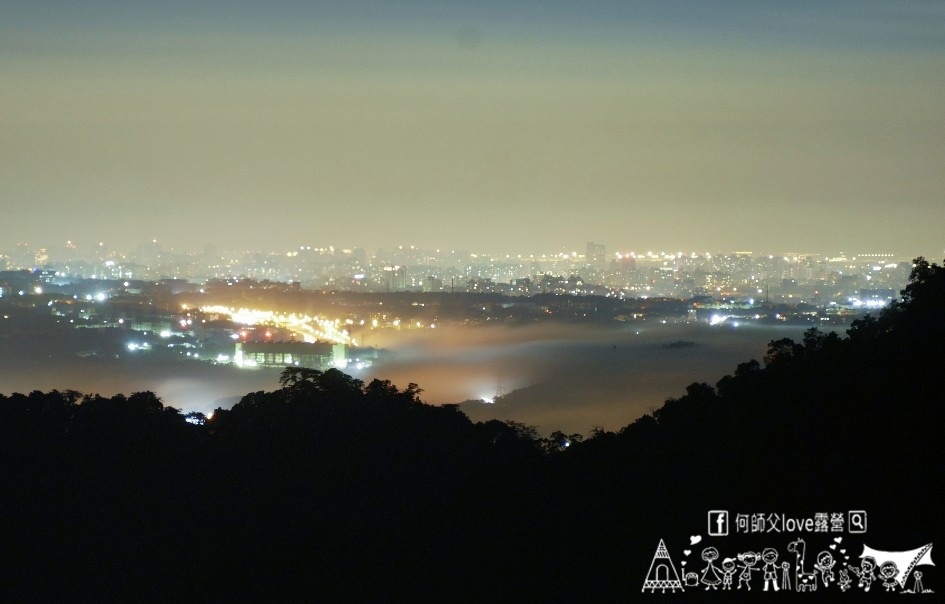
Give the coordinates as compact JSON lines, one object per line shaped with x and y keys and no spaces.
{"x":331,"y":489}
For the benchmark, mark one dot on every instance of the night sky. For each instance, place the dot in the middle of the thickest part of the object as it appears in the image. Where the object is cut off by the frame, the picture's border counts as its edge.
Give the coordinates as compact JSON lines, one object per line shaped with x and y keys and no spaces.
{"x":503,"y":126}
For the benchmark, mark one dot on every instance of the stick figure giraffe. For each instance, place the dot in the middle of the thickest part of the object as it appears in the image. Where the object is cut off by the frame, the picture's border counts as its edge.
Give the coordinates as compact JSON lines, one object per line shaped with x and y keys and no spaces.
{"x":803,"y":580}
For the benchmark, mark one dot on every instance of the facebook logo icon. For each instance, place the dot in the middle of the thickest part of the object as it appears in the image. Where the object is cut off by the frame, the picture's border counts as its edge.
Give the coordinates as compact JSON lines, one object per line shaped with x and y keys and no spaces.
{"x":718,"y":523}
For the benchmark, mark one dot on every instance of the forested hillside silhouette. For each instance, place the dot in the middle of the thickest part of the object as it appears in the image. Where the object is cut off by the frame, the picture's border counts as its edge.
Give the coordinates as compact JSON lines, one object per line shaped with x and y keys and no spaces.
{"x":329,"y":488}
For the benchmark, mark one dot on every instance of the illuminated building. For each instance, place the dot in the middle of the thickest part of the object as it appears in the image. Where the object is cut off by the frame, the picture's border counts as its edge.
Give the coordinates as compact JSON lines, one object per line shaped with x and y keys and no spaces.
{"x":317,"y":355}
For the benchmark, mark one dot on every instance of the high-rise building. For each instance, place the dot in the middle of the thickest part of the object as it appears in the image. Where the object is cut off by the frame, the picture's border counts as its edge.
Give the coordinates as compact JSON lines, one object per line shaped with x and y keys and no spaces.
{"x":596,"y":255}
{"x":395,"y":278}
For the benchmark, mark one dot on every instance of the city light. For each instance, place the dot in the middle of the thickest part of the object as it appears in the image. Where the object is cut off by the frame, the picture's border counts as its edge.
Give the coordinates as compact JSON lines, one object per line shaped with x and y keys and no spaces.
{"x":308,"y":328}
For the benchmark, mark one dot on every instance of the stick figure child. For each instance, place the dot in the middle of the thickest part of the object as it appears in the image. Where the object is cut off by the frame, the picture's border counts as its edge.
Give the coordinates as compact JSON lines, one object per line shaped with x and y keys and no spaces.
{"x":887,"y":572}
{"x":770,"y":558}
{"x":865,"y":572}
{"x":824,"y":564}
{"x":748,"y":560}
{"x":728,"y":569}
{"x":785,"y":576}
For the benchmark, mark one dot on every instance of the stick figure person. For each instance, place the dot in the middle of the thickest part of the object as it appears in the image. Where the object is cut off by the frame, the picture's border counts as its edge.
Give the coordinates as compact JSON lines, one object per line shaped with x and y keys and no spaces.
{"x":785,"y":576}
{"x":824,"y":564}
{"x":710,"y":576}
{"x":748,"y":560}
{"x":728,"y":569}
{"x":770,"y":558}
{"x":865,"y":572}
{"x":887,"y":572}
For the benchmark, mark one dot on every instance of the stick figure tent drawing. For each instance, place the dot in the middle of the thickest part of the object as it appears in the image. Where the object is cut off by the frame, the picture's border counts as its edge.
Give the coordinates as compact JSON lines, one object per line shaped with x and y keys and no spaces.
{"x":662,"y":573}
{"x":906,"y":561}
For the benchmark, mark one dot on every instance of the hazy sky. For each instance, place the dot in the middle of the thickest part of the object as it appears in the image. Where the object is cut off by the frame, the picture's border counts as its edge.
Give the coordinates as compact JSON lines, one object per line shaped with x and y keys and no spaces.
{"x":512,"y":125}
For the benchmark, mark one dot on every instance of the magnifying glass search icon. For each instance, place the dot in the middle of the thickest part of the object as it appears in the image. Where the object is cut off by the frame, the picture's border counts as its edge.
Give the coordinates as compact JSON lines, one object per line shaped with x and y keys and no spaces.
{"x":857,"y":522}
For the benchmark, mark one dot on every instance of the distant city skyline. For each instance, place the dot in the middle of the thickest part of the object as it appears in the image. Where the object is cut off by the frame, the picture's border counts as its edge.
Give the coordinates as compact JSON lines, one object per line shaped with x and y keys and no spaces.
{"x":499,"y":127}
{"x":60,"y":251}
{"x":867,"y":277}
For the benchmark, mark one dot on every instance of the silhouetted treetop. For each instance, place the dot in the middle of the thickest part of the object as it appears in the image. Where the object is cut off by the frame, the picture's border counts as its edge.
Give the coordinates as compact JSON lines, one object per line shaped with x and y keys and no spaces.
{"x":331,"y":489}
{"x":820,"y":402}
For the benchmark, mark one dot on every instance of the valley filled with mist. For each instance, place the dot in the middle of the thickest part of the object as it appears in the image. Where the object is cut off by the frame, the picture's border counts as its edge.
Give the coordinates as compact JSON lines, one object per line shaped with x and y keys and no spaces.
{"x":559,"y":376}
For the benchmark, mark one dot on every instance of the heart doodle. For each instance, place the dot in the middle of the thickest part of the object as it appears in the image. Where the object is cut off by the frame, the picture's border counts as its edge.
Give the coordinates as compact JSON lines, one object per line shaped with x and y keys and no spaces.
{"x":687,"y":551}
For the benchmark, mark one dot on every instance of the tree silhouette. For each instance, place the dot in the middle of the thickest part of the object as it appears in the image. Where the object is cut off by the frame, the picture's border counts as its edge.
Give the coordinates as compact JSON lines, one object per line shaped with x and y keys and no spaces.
{"x":331,"y":489}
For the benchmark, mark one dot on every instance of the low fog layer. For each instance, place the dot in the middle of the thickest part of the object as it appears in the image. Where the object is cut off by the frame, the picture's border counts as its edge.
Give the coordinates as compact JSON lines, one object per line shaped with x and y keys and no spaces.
{"x":571,"y":377}
{"x":187,"y":385}
{"x":567,"y":377}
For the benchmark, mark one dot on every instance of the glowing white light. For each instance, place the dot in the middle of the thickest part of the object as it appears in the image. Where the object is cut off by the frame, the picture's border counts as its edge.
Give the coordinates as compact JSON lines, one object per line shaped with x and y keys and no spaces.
{"x":166,"y":333}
